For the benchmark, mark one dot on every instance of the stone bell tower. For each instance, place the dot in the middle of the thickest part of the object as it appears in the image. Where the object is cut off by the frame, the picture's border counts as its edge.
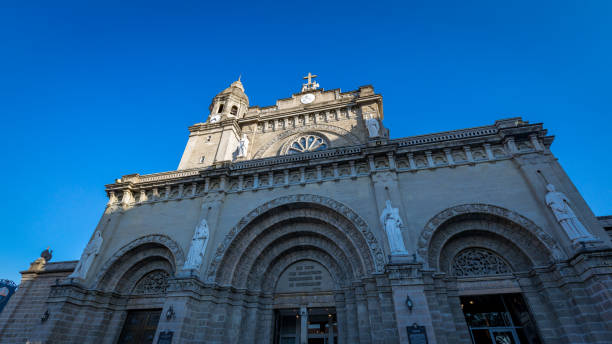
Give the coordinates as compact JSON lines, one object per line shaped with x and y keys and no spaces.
{"x":217,"y":140}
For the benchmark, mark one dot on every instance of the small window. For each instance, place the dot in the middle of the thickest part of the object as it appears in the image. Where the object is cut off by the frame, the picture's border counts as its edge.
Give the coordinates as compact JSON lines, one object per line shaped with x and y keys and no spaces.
{"x":220,"y":108}
{"x":208,"y":140}
{"x":202,"y":158}
{"x":234,"y":110}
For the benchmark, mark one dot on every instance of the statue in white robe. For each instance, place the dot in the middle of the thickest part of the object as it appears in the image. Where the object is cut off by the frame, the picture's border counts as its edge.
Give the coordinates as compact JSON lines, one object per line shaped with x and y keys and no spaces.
{"x":243,"y":146}
{"x":198,"y":247}
{"x":373,"y":126}
{"x":561,"y":208}
{"x":90,"y":252}
{"x":391,"y":222}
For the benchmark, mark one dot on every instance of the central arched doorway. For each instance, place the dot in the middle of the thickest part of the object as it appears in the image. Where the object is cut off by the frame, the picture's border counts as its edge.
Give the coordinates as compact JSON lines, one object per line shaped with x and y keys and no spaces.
{"x":311,"y":266}
{"x":304,"y":305}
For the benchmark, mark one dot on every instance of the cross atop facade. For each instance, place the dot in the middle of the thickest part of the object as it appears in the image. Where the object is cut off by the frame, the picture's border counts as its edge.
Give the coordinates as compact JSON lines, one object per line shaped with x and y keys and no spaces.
{"x":310,"y":85}
{"x":309,"y":77}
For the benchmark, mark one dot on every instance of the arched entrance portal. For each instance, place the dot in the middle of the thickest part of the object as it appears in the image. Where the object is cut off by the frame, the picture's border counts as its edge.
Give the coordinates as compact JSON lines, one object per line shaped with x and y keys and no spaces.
{"x":492,"y":259}
{"x":306,"y":261}
{"x":305,"y":309}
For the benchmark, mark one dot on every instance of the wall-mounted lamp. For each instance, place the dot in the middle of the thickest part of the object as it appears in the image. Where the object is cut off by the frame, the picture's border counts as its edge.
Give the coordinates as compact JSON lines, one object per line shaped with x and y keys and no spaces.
{"x":45,"y":316}
{"x":409,"y":303}
{"x":170,"y":313}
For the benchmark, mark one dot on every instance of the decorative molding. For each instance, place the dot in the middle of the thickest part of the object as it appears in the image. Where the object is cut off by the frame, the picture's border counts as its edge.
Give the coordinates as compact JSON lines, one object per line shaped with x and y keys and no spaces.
{"x":439,"y":219}
{"x":376,"y":251}
{"x":446,"y":150}
{"x":354,"y":140}
{"x":446,"y":136}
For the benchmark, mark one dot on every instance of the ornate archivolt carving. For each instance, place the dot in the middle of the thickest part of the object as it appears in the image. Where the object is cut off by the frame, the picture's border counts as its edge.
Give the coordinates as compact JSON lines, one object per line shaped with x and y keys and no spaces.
{"x":478,"y":262}
{"x":155,"y":282}
{"x":376,"y":251}
{"x":318,"y":246}
{"x":436,"y":222}
{"x":354,"y":140}
{"x":164,"y":240}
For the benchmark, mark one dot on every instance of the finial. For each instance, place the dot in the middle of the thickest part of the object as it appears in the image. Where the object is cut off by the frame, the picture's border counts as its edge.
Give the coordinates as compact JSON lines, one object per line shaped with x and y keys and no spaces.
{"x":238,"y":83}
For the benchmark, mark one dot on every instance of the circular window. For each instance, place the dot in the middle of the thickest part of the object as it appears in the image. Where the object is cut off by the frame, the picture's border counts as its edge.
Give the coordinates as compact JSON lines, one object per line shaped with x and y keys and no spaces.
{"x":307,"y":143}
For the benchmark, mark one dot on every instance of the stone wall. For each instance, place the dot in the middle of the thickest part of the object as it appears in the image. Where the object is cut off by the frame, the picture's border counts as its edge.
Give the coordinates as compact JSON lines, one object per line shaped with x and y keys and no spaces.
{"x":479,"y":188}
{"x":22,"y":315}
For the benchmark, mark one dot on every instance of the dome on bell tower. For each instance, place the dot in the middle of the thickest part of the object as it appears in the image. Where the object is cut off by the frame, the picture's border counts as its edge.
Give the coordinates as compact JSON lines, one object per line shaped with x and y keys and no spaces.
{"x":232,"y":102}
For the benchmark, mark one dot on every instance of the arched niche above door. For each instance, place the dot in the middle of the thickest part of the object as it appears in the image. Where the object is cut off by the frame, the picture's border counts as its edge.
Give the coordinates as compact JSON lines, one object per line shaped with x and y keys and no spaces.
{"x":305,"y":276}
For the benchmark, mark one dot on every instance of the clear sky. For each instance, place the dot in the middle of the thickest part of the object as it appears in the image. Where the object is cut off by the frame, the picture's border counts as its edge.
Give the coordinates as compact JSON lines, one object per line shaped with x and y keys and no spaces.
{"x":91,"y":91}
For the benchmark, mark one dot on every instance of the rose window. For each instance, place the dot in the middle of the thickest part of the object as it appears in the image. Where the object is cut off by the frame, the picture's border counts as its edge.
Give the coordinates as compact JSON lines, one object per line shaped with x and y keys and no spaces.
{"x":308,"y":143}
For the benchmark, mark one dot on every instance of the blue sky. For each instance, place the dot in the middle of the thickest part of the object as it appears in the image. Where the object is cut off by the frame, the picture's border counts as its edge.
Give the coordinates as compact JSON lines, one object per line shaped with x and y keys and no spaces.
{"x":90,"y":91}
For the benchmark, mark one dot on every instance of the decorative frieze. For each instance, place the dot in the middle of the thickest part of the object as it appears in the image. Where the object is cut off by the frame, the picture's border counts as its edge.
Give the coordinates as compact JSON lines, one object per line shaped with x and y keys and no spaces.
{"x":426,"y":153}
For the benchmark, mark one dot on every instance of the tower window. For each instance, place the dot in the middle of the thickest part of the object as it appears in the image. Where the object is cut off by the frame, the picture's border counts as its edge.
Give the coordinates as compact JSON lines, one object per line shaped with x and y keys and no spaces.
{"x":220,"y":108}
{"x":202,"y":158}
{"x":234,"y":110}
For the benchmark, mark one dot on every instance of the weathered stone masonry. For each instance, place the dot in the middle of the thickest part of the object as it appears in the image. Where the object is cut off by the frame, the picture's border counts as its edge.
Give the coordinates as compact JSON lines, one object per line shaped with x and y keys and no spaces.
{"x":476,"y":193}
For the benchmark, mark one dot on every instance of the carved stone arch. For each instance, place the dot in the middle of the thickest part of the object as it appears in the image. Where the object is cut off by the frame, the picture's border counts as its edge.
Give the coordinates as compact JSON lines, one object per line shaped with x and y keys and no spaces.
{"x":268,"y":280}
{"x":124,"y":278}
{"x":287,"y":231}
{"x":312,"y":128}
{"x":511,"y":230}
{"x":465,"y":239}
{"x":340,"y":216}
{"x":301,"y":241}
{"x":166,"y":248}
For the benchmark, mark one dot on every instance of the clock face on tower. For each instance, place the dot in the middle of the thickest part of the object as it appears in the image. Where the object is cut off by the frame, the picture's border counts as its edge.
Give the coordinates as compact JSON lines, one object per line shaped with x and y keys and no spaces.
{"x":214,"y":119}
{"x":307,"y":98}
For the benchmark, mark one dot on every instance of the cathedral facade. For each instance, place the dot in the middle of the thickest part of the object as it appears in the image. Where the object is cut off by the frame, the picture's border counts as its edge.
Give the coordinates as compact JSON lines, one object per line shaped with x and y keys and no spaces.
{"x":304,"y":222}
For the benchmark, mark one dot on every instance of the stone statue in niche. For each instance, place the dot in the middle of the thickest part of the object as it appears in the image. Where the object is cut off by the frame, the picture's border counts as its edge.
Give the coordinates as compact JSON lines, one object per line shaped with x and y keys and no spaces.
{"x":560,"y":206}
{"x":91,"y":251}
{"x":373,"y":126}
{"x":198,"y":247}
{"x":392,"y":221}
{"x":243,"y":146}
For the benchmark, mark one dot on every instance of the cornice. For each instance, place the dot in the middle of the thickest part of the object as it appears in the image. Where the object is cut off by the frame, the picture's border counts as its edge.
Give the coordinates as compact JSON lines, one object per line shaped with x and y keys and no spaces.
{"x":217,"y":125}
{"x":273,"y":114}
{"x":299,"y":111}
{"x":410,"y":154}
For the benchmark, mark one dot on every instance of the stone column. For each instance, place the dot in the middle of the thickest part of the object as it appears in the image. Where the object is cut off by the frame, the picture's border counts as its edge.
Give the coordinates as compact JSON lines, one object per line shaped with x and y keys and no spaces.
{"x":406,"y":281}
{"x":303,"y":325}
{"x":374,"y":313}
{"x":341,"y":317}
{"x":364,"y":325}
{"x":352,"y":325}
